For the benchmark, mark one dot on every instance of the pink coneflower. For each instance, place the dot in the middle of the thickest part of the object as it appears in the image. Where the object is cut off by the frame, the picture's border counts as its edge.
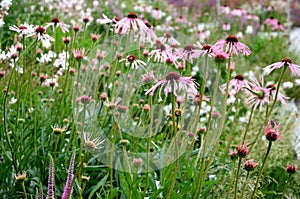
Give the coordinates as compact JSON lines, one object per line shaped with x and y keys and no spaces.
{"x":280,"y":96}
{"x":249,"y":165}
{"x":187,"y":53}
{"x":271,"y":131}
{"x":181,"y":20}
{"x":259,"y":95}
{"x":271,"y":21}
{"x":79,"y":53}
{"x":235,"y":85}
{"x":85,"y":99}
{"x":156,"y":14}
{"x":40,"y":34}
{"x":131,"y":21}
{"x":278,"y":26}
{"x":161,"y":53}
{"x":220,"y":57}
{"x":68,"y":189}
{"x":56,"y":23}
{"x":23,"y":29}
{"x":168,"y":39}
{"x":148,"y":77}
{"x":202,"y":50}
{"x":242,"y":150}
{"x":175,"y":83}
{"x":287,"y":62}
{"x":232,"y":46}
{"x":226,"y":27}
{"x":133,"y":62}
{"x":291,"y":168}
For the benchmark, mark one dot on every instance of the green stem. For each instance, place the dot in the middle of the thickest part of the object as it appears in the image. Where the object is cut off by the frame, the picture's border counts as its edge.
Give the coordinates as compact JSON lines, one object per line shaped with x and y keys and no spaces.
{"x":249,"y":121}
{"x":176,"y":149}
{"x":237,"y":177}
{"x":277,"y":89}
{"x":285,"y":186}
{"x":24,"y":190}
{"x":261,"y":169}
{"x":245,"y":184}
{"x":230,"y":180}
{"x":200,"y":175}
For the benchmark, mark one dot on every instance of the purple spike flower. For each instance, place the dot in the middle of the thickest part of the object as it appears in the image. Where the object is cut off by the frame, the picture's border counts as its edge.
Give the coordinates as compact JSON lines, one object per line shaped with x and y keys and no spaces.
{"x":68,"y":187}
{"x":50,"y":193}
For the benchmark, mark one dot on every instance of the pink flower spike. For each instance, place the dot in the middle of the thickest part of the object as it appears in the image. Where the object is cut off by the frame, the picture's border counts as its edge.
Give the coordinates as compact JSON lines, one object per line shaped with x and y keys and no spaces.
{"x":68,"y":189}
{"x":271,"y":131}
{"x":232,"y":46}
{"x":50,"y":193}
{"x":295,"y":69}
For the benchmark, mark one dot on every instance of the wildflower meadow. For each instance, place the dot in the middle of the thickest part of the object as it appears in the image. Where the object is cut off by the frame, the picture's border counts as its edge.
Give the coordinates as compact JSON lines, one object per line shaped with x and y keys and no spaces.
{"x":149,"y":99}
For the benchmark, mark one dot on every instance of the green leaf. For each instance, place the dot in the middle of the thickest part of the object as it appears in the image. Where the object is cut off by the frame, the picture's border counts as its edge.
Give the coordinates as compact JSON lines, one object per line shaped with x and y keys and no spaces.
{"x":98,"y":185}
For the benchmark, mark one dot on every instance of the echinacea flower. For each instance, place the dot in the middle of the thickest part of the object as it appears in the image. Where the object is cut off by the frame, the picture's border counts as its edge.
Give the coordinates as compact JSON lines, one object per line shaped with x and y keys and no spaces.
{"x":130,"y":22}
{"x":232,"y":46}
{"x":40,"y":34}
{"x":235,"y":85}
{"x":56,"y":23}
{"x":23,"y":29}
{"x":285,"y":62}
{"x":249,"y":165}
{"x":133,"y":62}
{"x":291,"y":168}
{"x":242,"y":150}
{"x":271,"y":131}
{"x":280,"y":96}
{"x":79,"y":53}
{"x":258,"y":94}
{"x":175,"y":83}
{"x":68,"y":189}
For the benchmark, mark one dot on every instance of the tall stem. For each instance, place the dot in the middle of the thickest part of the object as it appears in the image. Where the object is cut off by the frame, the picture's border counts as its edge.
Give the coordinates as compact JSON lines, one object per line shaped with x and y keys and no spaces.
{"x":249,"y":121}
{"x":237,"y":177}
{"x":285,"y":186}
{"x":245,"y":184}
{"x":261,"y":169}
{"x":176,"y":145}
{"x":24,"y":190}
{"x":201,"y":170}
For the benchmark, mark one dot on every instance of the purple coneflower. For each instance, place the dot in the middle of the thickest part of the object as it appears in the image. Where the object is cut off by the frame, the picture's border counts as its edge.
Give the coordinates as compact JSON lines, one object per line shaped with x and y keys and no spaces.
{"x":291,"y":168}
{"x":23,"y":29}
{"x":232,"y":46}
{"x":280,"y":96}
{"x":50,"y":193}
{"x":40,"y":34}
{"x":174,"y":83}
{"x":259,"y":95}
{"x":287,"y":62}
{"x":161,"y":53}
{"x":131,"y":21}
{"x":249,"y":165}
{"x":235,"y":85}
{"x":271,"y":130}
{"x":79,"y":54}
{"x":242,"y":150}
{"x":56,"y":23}
{"x":133,"y":62}
{"x":68,"y":189}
